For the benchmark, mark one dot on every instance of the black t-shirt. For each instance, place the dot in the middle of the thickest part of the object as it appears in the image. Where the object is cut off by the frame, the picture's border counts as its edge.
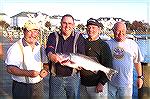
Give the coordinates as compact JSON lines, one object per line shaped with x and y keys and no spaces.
{"x":101,"y":52}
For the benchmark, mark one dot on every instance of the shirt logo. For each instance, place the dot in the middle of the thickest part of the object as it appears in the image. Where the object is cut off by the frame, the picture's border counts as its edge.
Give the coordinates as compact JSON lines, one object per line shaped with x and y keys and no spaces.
{"x":118,"y":53}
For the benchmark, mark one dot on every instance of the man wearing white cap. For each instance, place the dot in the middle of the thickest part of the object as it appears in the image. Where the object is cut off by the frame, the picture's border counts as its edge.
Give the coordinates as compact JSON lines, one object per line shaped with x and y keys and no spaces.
{"x":25,"y":60}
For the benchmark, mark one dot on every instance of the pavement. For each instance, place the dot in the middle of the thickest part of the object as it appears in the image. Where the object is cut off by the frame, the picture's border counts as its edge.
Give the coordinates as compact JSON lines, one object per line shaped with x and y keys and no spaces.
{"x":5,"y":78}
{"x":5,"y":82}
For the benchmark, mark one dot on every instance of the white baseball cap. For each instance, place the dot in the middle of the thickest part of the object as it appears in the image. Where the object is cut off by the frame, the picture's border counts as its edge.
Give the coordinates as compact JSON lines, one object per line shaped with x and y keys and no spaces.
{"x":30,"y":25}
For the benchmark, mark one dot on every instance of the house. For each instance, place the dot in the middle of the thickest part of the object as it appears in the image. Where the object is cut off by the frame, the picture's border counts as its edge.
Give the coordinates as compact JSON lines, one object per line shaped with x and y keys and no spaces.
{"x":5,"y":19}
{"x":55,"y":22}
{"x":108,"y":22}
{"x":2,"y":15}
{"x":18,"y":20}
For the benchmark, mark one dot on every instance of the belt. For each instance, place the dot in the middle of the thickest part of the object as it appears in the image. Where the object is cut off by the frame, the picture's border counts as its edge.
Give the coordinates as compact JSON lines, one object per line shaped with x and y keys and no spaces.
{"x":65,"y":75}
{"x":25,"y":83}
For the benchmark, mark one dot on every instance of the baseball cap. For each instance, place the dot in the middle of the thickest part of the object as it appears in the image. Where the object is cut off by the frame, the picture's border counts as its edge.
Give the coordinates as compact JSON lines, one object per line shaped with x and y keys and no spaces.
{"x":93,"y":21}
{"x":30,"y":25}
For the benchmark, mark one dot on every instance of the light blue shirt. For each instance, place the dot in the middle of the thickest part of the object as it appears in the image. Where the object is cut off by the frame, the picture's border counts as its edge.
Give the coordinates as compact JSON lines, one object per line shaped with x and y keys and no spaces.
{"x":125,"y":54}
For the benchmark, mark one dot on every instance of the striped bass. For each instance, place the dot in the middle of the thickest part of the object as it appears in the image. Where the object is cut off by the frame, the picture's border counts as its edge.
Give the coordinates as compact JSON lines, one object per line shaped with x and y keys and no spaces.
{"x":83,"y":61}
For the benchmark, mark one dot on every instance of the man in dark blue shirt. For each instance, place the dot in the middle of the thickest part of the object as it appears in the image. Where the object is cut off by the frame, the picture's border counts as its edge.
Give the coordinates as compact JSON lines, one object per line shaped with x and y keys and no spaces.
{"x":64,"y":81}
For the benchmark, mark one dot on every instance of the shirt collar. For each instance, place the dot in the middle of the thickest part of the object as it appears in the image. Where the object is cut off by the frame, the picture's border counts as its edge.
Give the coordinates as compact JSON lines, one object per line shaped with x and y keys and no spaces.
{"x":24,"y":43}
{"x":72,"y":34}
{"x":96,"y":38}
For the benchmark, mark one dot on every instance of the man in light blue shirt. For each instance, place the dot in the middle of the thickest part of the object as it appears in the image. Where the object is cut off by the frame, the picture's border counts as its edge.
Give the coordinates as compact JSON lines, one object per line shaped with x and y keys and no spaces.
{"x":126,"y":55}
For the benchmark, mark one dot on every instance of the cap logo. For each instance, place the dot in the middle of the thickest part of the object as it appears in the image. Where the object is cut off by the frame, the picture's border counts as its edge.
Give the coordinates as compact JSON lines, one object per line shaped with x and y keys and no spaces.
{"x":92,"y":20}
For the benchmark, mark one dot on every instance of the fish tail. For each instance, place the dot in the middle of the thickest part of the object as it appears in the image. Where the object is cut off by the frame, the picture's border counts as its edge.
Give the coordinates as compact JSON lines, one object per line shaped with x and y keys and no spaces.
{"x":111,"y":73}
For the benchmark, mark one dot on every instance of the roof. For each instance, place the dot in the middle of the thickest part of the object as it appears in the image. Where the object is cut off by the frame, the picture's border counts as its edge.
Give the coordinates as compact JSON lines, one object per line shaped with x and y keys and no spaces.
{"x":2,"y":14}
{"x":59,"y":17}
{"x":24,"y":14}
{"x":108,"y":18}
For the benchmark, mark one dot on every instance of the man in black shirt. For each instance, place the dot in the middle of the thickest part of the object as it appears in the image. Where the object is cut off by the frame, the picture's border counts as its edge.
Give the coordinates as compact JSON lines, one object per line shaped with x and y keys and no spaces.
{"x":94,"y":84}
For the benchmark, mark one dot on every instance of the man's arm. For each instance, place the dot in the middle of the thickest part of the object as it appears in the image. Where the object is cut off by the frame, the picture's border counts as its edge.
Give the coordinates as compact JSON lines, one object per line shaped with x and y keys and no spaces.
{"x":106,"y":61}
{"x":45,"y":71}
{"x":53,"y":57}
{"x":81,"y":45}
{"x":21,"y":72}
{"x":46,"y":66}
{"x":106,"y":55}
{"x":139,"y":73}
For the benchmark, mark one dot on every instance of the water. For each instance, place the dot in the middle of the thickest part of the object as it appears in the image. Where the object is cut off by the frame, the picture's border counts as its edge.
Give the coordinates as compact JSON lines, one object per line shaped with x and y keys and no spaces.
{"x":135,"y":89}
{"x":144,"y":45}
{"x":143,"y":42}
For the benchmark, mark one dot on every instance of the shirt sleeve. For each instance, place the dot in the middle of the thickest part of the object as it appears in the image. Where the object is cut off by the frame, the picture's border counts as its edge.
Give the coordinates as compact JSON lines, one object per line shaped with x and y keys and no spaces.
{"x":137,"y":54}
{"x":43,"y":55}
{"x":106,"y":55}
{"x":14,"y":56}
{"x":50,"y":46}
{"x":103,"y":78}
{"x":81,"y":45}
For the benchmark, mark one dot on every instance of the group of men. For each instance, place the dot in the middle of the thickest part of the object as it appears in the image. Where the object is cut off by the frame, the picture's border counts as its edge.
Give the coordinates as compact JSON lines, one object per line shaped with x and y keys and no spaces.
{"x":29,"y":63}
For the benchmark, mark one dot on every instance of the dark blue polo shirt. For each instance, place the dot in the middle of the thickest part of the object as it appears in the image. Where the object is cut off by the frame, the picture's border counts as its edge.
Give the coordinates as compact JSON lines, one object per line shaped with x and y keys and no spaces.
{"x":65,"y":47}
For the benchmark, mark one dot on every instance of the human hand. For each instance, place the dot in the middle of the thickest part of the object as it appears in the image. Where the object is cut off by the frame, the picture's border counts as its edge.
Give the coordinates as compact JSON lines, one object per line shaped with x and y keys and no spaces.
{"x":43,"y":73}
{"x":139,"y":83}
{"x":33,"y":73}
{"x":99,"y":88}
{"x":54,"y":58}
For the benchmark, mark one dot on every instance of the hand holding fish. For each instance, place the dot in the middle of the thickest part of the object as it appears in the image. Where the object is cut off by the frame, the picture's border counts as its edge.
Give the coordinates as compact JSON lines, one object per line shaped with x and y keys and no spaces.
{"x":54,"y":57}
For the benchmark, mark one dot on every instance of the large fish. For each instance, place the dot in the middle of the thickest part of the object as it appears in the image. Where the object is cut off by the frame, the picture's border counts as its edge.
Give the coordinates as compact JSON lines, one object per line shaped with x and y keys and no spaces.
{"x":79,"y":60}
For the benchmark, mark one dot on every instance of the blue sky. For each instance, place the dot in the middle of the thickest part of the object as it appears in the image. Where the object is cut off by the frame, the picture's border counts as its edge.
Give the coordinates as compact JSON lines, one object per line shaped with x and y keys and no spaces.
{"x":82,"y":9}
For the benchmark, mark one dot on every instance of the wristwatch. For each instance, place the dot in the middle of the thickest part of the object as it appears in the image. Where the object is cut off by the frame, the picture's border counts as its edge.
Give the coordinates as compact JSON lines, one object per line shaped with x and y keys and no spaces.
{"x":142,"y":77}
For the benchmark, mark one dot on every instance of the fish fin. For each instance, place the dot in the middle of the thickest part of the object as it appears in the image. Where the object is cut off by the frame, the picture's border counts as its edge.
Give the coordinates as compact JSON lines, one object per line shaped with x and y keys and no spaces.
{"x":111,"y":73}
{"x":94,"y":59}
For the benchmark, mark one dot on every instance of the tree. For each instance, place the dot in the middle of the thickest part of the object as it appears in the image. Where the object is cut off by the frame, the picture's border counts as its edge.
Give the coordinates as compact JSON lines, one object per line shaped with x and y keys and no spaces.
{"x":81,"y":27}
{"x":128,"y":24}
{"x":48,"y":25}
{"x":4,"y":25}
{"x":138,"y":26}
